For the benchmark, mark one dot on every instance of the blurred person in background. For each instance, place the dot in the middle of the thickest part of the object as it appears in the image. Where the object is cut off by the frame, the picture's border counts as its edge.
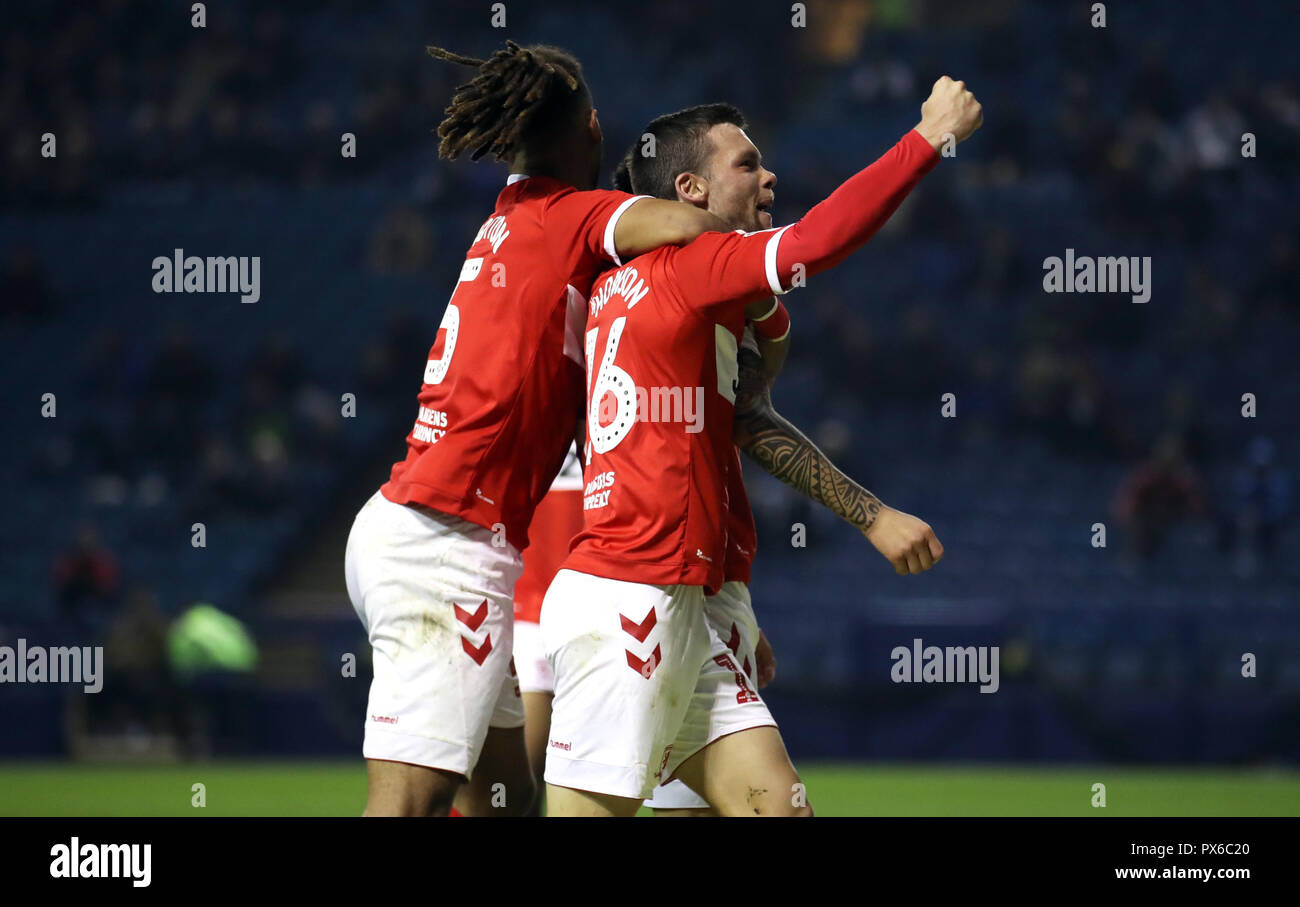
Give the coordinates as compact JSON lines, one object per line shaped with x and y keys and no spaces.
{"x":86,"y":580}
{"x":1157,"y":494}
{"x":212,"y":658}
{"x":1260,"y":506}
{"x":141,"y":702}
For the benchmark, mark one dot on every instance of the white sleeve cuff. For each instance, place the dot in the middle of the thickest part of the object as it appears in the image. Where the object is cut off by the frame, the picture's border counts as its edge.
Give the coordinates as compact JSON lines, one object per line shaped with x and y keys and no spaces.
{"x":769,"y":258}
{"x":610,"y":250}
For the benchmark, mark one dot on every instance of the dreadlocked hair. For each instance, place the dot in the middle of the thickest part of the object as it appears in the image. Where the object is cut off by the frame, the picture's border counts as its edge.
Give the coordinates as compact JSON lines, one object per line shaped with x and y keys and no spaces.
{"x":522,"y":97}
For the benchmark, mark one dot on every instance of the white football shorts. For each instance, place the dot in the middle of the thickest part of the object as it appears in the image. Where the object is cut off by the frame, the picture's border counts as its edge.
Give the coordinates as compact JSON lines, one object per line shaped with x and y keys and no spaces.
{"x":626,"y":657}
{"x":726,"y":696}
{"x":638,"y":677}
{"x":436,"y":598}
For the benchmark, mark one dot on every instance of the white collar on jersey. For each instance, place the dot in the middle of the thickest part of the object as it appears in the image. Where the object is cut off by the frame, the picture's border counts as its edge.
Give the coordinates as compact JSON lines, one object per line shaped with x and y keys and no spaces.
{"x":515,"y":177}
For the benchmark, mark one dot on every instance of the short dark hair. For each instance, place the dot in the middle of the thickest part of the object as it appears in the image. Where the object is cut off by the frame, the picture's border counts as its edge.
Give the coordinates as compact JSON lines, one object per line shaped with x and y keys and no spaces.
{"x":521,"y":98}
{"x":681,"y":145}
{"x":623,"y":175}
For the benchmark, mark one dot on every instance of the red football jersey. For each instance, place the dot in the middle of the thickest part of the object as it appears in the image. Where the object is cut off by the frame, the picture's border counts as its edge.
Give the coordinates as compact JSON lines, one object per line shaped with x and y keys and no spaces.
{"x":742,"y":534}
{"x":662,"y":334}
{"x":661,"y":343}
{"x":556,"y":521}
{"x":503,"y":384}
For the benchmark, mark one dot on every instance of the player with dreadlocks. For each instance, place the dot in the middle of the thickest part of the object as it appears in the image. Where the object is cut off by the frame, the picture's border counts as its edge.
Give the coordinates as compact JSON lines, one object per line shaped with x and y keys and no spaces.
{"x":433,"y":556}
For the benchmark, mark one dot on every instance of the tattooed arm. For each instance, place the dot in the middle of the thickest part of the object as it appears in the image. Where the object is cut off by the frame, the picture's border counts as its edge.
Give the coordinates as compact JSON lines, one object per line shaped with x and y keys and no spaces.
{"x":782,"y":450}
{"x":773,"y":353}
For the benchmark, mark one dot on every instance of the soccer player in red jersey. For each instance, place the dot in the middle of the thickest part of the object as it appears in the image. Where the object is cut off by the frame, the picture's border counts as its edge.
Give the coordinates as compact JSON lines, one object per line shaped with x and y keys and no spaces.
{"x":787,"y":454}
{"x":661,"y":340}
{"x":771,"y":440}
{"x":433,"y":556}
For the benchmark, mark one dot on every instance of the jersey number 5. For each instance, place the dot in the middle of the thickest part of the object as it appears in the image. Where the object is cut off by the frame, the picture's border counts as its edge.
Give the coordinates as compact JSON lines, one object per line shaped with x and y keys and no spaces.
{"x":436,"y":369}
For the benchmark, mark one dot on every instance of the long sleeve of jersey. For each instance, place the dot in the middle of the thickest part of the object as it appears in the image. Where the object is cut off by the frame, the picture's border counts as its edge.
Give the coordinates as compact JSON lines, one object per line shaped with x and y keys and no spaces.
{"x":852,"y":214}
{"x":722,"y":269}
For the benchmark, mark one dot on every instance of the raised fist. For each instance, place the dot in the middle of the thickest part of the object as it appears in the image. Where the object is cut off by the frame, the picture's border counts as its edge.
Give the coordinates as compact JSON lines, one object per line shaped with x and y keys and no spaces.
{"x":950,"y":110}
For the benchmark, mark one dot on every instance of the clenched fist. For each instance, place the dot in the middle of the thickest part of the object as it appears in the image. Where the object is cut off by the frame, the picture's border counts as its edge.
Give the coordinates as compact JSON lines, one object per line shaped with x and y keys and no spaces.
{"x":906,"y":542}
{"x":950,"y":110}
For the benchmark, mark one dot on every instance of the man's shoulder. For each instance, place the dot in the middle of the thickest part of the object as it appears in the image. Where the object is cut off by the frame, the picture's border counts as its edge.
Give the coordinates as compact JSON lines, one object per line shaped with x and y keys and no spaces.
{"x":549,"y":190}
{"x":668,"y":256}
{"x":533,"y":190}
{"x":641,"y":269}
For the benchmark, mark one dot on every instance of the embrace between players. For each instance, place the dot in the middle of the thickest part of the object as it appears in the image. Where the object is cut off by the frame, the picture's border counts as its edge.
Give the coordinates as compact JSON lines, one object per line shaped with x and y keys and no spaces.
{"x":575,"y":307}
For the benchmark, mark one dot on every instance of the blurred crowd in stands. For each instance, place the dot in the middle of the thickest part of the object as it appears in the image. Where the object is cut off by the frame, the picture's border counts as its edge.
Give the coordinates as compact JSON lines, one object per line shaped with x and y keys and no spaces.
{"x":1107,"y":140}
{"x":261,"y":93}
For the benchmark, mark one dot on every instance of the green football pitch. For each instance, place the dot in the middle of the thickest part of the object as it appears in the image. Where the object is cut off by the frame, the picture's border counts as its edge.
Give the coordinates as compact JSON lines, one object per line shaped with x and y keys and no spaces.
{"x":338,"y":789}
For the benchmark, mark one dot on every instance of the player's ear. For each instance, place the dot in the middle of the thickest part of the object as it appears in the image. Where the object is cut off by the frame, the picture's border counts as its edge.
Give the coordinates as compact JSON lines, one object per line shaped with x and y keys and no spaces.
{"x":593,"y":127}
{"x":691,"y":188}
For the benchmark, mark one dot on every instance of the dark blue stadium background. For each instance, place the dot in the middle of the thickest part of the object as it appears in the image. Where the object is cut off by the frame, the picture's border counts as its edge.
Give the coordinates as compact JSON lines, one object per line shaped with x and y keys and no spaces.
{"x":1071,"y":410}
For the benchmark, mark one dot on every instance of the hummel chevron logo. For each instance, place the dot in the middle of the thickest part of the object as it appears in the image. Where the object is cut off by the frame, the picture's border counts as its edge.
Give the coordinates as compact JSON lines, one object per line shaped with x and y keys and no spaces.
{"x":734,"y":645}
{"x":480,"y":653}
{"x":639,"y":631}
{"x":647,"y":667}
{"x":475,"y":620}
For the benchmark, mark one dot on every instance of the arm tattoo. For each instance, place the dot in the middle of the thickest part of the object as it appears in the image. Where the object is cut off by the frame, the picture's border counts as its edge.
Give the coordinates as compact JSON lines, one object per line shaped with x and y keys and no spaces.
{"x":785,"y":452}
